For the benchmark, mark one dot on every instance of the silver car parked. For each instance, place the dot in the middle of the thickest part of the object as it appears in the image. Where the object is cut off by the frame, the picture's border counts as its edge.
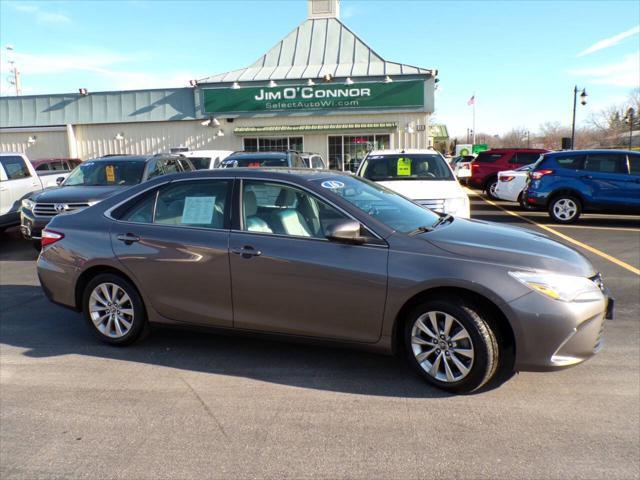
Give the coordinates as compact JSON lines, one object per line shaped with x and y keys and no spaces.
{"x":320,"y":255}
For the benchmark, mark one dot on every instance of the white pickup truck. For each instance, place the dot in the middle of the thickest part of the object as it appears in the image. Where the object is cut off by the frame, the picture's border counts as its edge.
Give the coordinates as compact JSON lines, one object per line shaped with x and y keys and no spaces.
{"x":18,"y":179}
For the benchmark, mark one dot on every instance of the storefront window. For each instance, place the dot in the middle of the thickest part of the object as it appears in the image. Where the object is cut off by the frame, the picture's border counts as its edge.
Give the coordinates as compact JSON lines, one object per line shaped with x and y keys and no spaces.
{"x":346,"y":153}
{"x":277,"y":144}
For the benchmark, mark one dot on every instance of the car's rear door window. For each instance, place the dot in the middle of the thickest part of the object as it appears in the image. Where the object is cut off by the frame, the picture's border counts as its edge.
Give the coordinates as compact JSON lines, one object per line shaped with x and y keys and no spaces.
{"x":606,"y":163}
{"x":571,"y":161}
{"x":484,"y":157}
{"x":198,"y":203}
{"x":634,"y":164}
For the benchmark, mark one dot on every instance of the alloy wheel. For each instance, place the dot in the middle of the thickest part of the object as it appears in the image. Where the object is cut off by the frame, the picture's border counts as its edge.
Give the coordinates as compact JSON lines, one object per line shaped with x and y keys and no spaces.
{"x":111,"y":310}
{"x":565,"y":209}
{"x":442,"y":346}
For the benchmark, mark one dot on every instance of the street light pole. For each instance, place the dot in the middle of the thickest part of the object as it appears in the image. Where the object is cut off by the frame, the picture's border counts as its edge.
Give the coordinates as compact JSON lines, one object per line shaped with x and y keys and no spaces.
{"x":629,"y":119}
{"x":583,"y":101}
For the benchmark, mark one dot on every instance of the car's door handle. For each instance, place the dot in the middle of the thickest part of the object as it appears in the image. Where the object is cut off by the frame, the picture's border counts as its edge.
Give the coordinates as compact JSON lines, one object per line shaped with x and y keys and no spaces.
{"x":247,"y":251}
{"x":128,"y":238}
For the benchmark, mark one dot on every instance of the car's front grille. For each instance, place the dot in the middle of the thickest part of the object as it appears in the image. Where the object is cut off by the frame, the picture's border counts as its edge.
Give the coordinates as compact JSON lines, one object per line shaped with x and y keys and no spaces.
{"x":53,"y":209}
{"x":436,"y":205}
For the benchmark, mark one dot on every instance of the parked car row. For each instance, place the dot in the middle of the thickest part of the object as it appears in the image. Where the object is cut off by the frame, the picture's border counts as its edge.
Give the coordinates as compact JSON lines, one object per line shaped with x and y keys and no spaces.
{"x":568,"y":183}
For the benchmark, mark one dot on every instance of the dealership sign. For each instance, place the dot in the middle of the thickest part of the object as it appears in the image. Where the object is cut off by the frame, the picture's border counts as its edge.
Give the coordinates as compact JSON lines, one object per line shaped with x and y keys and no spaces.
{"x":357,"y":96}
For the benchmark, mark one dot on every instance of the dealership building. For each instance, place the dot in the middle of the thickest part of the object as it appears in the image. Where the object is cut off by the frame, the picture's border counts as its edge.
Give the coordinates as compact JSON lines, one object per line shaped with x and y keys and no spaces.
{"x":320,"y":89}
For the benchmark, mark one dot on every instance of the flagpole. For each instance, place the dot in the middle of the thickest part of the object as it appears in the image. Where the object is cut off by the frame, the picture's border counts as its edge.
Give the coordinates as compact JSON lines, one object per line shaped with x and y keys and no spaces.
{"x":473,"y":141}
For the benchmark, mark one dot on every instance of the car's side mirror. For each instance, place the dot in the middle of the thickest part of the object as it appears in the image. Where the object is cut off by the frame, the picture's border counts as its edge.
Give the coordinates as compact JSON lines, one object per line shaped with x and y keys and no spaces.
{"x":346,"y":231}
{"x":59,"y":181}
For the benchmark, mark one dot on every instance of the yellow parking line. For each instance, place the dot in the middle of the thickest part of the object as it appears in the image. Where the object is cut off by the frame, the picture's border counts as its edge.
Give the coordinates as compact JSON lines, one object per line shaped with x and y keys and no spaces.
{"x":589,"y":248}
{"x":593,"y":227}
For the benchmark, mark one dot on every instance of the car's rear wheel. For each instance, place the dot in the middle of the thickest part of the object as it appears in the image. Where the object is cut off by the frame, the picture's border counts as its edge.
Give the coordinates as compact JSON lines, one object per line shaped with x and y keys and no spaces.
{"x":565,"y":209}
{"x":114,"y":309}
{"x":451,"y":345}
{"x":490,"y":188}
{"x":523,"y":204}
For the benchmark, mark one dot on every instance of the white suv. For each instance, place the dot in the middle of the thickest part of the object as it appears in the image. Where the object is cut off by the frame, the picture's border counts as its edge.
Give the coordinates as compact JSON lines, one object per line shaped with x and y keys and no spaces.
{"x":424,"y":176}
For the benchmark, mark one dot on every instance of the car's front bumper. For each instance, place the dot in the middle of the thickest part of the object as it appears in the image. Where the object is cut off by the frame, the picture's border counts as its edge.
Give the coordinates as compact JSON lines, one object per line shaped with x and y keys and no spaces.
{"x":551,"y":334}
{"x":31,"y":226}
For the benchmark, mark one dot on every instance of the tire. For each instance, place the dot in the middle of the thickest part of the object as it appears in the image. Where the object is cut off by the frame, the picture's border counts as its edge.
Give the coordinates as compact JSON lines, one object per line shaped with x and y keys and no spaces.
{"x":129,"y":320}
{"x":523,"y":205}
{"x":565,"y":209}
{"x":490,"y":187}
{"x":469,"y":333}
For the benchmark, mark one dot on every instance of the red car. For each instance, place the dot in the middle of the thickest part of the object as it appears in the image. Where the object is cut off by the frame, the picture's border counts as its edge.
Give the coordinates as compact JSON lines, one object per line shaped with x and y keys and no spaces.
{"x":485,"y":168}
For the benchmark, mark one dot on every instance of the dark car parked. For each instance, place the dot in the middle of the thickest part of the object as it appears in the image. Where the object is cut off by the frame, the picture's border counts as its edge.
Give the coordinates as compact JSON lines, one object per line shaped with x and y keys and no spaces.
{"x":571,"y":182}
{"x":288,"y":159}
{"x":318,"y":255}
{"x":89,"y":183}
{"x":485,"y":168}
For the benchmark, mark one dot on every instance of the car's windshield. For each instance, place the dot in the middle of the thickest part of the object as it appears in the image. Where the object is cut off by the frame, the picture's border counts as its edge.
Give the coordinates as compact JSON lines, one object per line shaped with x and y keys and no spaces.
{"x":255,"y":162}
{"x":406,"y":166}
{"x":106,"y":173}
{"x":382,"y":204}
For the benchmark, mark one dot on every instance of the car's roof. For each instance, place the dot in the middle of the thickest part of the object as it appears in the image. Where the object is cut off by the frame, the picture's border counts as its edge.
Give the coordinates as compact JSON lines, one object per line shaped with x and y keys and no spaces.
{"x":258,"y":155}
{"x":53,"y":159}
{"x":514,"y":149}
{"x":301,"y":174}
{"x":592,"y":150}
{"x":122,"y":158}
{"x":398,"y":151}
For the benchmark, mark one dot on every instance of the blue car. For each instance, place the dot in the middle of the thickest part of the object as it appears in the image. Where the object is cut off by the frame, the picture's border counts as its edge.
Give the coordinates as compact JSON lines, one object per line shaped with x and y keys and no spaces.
{"x":568,"y":183}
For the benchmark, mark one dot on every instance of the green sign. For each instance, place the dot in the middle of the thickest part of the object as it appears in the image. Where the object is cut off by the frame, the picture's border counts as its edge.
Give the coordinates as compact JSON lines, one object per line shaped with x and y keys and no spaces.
{"x":480,"y":147}
{"x":358,"y":96}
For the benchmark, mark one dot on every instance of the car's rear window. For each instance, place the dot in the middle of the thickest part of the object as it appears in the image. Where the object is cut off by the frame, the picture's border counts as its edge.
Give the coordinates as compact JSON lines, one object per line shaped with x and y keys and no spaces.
{"x":405,"y":166}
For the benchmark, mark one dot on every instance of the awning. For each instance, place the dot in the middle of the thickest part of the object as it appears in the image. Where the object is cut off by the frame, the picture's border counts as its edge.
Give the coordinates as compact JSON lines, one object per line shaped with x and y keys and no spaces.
{"x":340,"y":127}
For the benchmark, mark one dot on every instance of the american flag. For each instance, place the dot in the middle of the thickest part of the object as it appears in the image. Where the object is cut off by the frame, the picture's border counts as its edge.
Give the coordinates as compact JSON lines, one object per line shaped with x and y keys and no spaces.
{"x":472,"y":100}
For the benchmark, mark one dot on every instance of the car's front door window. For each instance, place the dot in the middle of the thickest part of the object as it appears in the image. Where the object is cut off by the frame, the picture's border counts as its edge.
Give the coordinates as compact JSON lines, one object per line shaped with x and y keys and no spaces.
{"x":269,"y":207}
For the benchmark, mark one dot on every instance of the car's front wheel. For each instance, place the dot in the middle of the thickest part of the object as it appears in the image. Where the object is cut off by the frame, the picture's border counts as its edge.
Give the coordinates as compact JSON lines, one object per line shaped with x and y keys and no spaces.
{"x":564,"y":209}
{"x":451,"y":345}
{"x":114,"y":309}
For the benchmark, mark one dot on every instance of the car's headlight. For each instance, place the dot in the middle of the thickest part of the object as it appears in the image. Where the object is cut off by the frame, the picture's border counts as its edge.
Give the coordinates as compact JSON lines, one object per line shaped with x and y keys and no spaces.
{"x":458,"y":207}
{"x":566,"y":288}
{"x":28,"y":204}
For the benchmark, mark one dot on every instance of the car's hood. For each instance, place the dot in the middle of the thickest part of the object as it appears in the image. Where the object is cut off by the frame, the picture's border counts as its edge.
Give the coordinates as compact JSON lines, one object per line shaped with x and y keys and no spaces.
{"x":425,"y":189}
{"x":76,"y":194}
{"x":511,"y":246}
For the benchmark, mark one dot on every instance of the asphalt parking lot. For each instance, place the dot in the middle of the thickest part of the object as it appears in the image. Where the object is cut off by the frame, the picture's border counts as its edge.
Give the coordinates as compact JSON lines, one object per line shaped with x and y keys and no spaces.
{"x":194,"y":405}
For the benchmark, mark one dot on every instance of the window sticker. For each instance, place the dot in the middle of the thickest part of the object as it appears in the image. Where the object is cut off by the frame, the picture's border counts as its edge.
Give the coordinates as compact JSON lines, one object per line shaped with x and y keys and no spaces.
{"x":404,"y":167}
{"x":110,"y":173}
{"x":333,"y":184}
{"x":198,"y":210}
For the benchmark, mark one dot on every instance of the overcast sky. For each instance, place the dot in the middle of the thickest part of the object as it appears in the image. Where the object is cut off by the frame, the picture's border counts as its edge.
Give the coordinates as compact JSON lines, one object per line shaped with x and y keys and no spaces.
{"x":520,"y":58}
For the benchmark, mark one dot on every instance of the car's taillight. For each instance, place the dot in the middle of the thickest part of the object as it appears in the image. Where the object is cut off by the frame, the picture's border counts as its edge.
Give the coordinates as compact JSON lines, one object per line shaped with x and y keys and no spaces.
{"x":49,"y":237}
{"x":506,"y":178}
{"x":538,"y":174}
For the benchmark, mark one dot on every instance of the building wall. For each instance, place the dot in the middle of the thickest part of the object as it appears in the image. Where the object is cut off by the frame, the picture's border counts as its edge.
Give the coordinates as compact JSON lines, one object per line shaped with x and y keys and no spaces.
{"x":48,"y":143}
{"x":139,"y":138}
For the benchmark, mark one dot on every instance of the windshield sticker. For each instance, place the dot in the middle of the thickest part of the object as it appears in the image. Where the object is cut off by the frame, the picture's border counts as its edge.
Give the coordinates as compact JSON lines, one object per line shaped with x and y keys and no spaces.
{"x":110,"y":173}
{"x":198,"y":210}
{"x":332,"y":184}
{"x":404,"y":167}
